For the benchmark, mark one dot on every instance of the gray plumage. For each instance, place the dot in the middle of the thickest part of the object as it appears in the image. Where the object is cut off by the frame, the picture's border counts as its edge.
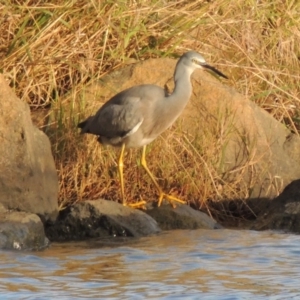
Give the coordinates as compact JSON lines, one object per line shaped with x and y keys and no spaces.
{"x":136,"y":116}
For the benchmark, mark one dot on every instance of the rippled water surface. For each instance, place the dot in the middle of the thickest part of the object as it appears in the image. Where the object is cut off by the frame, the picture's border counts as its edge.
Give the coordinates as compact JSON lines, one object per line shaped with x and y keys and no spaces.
{"x":199,"y":264}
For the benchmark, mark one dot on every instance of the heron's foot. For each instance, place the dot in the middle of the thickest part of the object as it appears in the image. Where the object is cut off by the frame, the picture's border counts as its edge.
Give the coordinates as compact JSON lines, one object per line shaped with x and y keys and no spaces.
{"x":139,"y":204}
{"x":169,"y":198}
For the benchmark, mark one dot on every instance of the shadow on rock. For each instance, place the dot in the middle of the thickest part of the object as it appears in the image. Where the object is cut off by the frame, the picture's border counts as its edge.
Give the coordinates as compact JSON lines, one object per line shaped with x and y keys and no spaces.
{"x":282,"y":213}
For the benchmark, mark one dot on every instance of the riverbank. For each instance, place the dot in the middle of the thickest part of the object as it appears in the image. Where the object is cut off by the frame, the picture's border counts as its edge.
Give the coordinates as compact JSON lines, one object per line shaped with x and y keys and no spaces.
{"x":245,"y":40}
{"x":232,"y":153}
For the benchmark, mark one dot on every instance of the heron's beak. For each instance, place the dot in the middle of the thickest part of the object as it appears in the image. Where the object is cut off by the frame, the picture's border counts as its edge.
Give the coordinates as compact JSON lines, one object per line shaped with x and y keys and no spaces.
{"x":206,"y":66}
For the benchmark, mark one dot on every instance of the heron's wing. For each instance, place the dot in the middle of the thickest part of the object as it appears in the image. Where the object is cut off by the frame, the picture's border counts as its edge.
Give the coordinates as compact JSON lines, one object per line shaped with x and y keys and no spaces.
{"x":117,"y":118}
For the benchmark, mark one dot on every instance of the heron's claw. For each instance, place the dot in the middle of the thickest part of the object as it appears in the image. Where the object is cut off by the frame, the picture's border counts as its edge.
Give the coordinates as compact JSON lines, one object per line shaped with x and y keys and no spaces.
{"x":140,"y":204}
{"x":169,"y":198}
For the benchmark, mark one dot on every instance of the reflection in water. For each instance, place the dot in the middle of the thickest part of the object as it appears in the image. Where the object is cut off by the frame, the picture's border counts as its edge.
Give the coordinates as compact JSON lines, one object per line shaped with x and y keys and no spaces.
{"x":199,"y":264}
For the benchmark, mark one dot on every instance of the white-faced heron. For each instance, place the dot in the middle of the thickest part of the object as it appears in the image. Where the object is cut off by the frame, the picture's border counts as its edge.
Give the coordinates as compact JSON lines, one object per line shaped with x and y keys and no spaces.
{"x":136,"y":116}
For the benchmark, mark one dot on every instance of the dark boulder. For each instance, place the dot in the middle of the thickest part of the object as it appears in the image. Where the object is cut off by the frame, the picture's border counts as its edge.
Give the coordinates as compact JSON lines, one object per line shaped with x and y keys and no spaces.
{"x":98,"y":219}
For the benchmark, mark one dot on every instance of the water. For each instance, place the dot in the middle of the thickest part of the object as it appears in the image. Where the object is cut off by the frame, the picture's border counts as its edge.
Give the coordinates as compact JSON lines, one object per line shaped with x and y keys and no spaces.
{"x":199,"y":264}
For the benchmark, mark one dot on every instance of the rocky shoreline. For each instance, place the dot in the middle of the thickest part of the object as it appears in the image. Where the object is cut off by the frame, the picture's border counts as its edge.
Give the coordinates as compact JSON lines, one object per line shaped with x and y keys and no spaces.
{"x":96,"y":219}
{"x":103,"y":219}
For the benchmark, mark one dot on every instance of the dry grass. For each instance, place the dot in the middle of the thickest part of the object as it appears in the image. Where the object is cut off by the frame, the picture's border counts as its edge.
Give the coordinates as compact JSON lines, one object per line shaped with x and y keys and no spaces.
{"x":50,"y":51}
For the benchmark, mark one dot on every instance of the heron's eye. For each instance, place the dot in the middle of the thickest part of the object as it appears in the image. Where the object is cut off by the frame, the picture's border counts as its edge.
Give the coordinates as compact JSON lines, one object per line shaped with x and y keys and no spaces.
{"x":195,"y":61}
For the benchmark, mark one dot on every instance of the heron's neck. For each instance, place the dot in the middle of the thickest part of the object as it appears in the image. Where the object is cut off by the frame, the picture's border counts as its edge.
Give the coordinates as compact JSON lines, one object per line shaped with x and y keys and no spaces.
{"x":183,"y":87}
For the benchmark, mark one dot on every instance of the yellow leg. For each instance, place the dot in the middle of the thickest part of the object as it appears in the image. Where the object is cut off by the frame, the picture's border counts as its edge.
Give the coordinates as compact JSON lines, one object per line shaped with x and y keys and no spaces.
{"x":120,"y":167}
{"x":162,"y":195}
{"x":140,"y":204}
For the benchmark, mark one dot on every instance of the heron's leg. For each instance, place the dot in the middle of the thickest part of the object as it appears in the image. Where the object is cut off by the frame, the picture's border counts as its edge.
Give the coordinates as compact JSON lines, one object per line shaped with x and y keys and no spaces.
{"x":161,"y":193}
{"x":121,"y":167}
{"x":140,"y":204}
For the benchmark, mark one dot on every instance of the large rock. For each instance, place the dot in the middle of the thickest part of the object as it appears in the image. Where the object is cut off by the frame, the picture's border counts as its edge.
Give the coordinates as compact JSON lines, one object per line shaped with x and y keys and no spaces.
{"x":181,"y":217}
{"x":255,"y":150}
{"x":28,"y":178}
{"x":108,"y":219}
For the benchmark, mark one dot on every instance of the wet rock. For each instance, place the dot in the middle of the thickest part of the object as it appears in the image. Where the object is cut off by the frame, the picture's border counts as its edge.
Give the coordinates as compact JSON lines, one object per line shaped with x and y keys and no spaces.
{"x":283,"y":212}
{"x":100,"y":218}
{"x":181,"y":217}
{"x":21,"y":231}
{"x":28,"y":178}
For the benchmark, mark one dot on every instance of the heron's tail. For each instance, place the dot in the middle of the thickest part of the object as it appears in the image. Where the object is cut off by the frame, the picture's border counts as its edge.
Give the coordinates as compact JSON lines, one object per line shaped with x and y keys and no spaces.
{"x":84,"y":125}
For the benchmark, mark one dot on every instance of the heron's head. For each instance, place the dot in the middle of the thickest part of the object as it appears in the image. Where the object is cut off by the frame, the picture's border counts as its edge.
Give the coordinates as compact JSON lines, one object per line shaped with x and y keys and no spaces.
{"x":194,"y":60}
